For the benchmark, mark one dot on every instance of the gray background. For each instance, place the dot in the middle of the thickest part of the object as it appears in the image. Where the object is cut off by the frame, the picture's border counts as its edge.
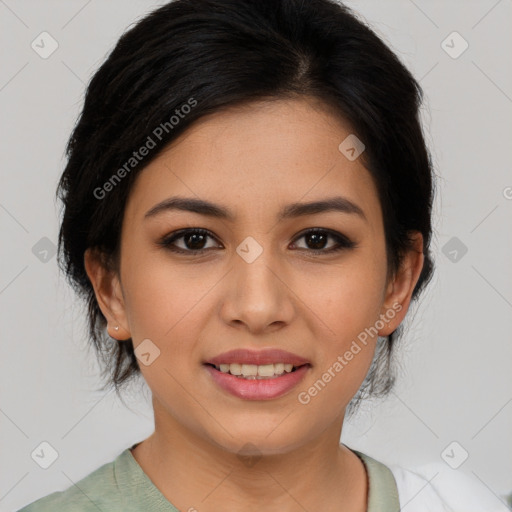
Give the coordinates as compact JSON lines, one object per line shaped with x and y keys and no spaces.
{"x":455,"y":382}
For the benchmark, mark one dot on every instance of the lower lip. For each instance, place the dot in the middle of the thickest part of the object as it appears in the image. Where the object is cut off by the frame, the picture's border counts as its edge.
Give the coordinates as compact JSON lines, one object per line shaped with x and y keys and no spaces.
{"x":258,"y":389}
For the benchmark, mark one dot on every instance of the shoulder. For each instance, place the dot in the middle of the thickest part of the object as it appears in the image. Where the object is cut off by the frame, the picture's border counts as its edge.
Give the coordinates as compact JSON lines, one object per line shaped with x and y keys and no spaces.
{"x":94,"y":492}
{"x":436,"y":488}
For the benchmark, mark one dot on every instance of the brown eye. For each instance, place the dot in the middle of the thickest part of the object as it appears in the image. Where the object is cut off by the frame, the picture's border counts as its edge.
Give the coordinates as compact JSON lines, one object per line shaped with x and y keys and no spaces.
{"x":194,"y":241}
{"x":317,"y":239}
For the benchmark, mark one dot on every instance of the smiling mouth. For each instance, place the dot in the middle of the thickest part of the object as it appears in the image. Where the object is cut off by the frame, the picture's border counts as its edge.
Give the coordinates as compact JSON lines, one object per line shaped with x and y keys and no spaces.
{"x":256,"y":372}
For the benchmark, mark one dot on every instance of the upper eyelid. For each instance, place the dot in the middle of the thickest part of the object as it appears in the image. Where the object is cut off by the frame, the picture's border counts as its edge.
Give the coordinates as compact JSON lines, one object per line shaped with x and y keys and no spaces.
{"x":180,"y":233}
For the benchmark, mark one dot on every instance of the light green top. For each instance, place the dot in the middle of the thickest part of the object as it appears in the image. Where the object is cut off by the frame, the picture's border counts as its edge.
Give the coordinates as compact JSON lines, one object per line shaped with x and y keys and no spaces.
{"x":122,"y":486}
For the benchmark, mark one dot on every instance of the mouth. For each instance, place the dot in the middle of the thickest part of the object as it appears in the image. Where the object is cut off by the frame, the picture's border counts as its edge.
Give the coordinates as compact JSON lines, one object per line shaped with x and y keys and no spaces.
{"x":257,"y":372}
{"x":262,"y":374}
{"x":257,"y":382}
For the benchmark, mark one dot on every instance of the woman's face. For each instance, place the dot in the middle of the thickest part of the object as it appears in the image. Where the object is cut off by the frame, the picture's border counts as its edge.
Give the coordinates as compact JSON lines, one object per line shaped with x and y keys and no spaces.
{"x":258,"y":284}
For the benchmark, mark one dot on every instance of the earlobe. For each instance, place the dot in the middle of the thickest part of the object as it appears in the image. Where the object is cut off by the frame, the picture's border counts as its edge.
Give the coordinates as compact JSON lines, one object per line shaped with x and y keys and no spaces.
{"x":108,"y":293}
{"x":401,"y":286}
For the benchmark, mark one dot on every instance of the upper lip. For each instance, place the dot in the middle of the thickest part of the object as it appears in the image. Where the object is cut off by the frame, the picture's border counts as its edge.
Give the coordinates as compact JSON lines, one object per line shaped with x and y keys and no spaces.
{"x":258,"y":357}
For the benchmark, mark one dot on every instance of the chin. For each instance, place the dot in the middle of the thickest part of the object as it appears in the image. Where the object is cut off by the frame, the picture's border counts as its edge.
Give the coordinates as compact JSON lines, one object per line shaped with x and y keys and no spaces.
{"x":257,"y":441}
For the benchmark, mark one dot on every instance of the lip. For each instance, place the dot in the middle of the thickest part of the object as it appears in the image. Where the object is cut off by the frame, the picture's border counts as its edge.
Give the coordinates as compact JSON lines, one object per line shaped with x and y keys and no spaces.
{"x":264,"y":389}
{"x":258,"y":357}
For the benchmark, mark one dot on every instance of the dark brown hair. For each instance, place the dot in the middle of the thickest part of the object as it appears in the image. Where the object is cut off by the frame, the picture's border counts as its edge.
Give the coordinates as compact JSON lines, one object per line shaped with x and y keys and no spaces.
{"x":223,"y":53}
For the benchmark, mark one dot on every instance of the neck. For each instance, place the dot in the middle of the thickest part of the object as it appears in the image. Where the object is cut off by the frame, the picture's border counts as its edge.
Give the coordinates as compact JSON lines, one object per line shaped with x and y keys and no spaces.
{"x":193,"y":472}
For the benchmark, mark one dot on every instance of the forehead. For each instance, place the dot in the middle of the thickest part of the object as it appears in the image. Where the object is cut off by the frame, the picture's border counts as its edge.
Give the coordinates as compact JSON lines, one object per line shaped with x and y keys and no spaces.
{"x":255,"y":159}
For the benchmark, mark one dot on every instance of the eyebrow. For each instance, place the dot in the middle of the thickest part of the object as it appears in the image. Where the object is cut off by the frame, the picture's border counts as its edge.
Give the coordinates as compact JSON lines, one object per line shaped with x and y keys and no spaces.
{"x":203,"y":207}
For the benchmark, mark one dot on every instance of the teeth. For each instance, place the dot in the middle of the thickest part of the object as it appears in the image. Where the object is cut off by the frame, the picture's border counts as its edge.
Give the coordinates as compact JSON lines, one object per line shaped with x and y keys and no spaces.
{"x":265,"y":370}
{"x":249,"y":370}
{"x":253,"y":371}
{"x":280,"y":367}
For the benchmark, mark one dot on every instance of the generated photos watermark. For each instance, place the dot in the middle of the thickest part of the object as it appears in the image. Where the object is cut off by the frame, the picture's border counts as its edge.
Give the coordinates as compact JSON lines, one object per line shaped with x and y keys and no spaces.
{"x":304,"y":397}
{"x":158,"y":133}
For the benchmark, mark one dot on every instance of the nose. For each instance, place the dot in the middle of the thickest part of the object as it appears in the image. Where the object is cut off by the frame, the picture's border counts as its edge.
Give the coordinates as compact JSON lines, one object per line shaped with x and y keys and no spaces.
{"x":257,"y":296}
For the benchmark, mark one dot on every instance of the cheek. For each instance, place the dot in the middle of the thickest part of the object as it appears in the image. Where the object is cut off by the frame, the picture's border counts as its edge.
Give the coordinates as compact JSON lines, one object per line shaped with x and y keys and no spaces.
{"x":160,"y":295}
{"x":346,"y":298}
{"x":349,"y":311}
{"x":347,"y":307}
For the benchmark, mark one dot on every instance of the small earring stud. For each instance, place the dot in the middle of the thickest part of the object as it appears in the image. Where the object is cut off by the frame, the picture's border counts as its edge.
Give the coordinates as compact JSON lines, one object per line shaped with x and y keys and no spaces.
{"x":116,"y":327}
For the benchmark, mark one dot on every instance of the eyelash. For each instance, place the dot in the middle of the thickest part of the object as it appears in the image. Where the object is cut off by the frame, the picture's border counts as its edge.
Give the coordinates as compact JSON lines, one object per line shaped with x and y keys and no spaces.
{"x":342,"y":240}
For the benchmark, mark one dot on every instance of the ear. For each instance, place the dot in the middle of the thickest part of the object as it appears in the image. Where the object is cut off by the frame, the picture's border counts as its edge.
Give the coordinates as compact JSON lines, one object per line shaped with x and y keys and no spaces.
{"x":399,"y":289}
{"x":107,"y":289}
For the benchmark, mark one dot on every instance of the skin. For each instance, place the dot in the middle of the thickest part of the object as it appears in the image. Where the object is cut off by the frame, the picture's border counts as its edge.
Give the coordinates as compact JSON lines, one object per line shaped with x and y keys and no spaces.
{"x":253,"y":160}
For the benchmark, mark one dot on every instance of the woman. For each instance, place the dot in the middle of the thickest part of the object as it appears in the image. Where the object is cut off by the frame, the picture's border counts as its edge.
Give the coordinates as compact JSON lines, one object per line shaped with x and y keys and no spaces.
{"x":247,"y":214}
